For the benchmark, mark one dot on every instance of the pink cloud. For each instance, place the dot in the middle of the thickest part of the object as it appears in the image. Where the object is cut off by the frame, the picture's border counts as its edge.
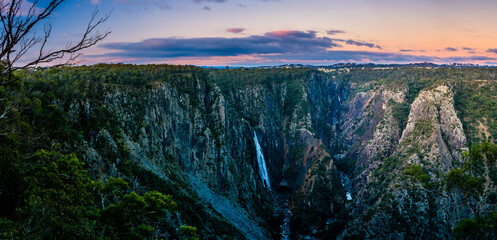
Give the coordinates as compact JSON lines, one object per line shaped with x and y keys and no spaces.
{"x":235,"y":30}
{"x":281,"y":33}
{"x":291,"y":33}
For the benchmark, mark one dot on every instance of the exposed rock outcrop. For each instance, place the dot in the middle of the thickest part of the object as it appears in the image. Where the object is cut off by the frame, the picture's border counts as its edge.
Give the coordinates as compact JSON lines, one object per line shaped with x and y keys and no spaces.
{"x":433,"y":132}
{"x":390,"y":205}
{"x":197,"y":132}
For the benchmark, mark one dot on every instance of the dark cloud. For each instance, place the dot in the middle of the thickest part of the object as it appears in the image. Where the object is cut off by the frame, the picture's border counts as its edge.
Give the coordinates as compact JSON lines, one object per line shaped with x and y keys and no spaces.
{"x":492,"y":50}
{"x":235,"y":30}
{"x":451,"y":49}
{"x":270,"y":48}
{"x":206,"y":8}
{"x":367,"y":56}
{"x":411,"y":50}
{"x":358,"y":43}
{"x":329,"y":57}
{"x":361,"y":43}
{"x":469,"y":50}
{"x":277,"y":42}
{"x":474,"y":58}
{"x":334,"y":32}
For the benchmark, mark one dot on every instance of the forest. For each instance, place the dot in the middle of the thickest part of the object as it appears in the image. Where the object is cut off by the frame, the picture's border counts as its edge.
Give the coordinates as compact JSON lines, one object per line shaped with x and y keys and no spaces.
{"x":48,"y":187}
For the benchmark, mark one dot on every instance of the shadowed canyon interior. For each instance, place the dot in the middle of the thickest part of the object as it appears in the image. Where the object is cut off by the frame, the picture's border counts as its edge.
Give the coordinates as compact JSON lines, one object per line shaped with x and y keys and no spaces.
{"x":339,"y":152}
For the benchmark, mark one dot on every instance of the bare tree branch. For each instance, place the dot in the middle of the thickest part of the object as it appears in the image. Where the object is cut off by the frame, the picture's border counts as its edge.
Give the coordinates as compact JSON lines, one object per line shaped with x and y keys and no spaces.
{"x":8,"y":109}
{"x":19,"y":20}
{"x":85,"y":42}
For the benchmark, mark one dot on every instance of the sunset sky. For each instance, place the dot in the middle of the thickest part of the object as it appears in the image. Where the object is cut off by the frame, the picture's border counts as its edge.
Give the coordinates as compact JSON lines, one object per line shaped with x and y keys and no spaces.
{"x":273,"y":32}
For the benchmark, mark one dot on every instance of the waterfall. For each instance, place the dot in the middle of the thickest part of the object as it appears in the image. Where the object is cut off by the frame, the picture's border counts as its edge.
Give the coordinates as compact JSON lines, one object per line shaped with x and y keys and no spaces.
{"x":287,"y":213}
{"x":262,"y":163}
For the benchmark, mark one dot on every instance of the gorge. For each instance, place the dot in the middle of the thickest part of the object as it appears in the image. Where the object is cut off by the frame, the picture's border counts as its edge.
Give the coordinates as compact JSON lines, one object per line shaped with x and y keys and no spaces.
{"x":278,"y":153}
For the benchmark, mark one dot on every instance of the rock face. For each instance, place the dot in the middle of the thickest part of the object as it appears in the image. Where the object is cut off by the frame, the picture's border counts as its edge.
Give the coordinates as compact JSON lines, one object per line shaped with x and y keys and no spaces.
{"x":388,"y":204}
{"x":369,"y":128}
{"x":199,"y":134}
{"x":434,"y":126}
{"x":166,"y":131}
{"x":204,"y":136}
{"x":285,"y":116}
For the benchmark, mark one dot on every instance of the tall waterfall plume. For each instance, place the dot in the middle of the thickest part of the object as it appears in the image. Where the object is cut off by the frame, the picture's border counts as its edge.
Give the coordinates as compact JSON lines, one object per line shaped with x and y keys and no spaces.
{"x":261,"y":162}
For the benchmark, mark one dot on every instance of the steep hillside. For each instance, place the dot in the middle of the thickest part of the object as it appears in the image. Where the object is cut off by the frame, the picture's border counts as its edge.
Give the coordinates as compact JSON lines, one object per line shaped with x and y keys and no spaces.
{"x":399,"y":134}
{"x":404,"y":149}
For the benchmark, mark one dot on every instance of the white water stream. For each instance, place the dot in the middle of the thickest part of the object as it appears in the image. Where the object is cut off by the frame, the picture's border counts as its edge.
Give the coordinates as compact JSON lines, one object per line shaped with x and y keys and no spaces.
{"x":261,"y":163}
{"x":347,"y":185}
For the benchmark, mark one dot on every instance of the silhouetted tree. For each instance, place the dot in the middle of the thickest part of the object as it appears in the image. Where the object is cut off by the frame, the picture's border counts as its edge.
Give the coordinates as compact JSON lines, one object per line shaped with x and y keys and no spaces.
{"x":18,"y":35}
{"x":20,"y":21}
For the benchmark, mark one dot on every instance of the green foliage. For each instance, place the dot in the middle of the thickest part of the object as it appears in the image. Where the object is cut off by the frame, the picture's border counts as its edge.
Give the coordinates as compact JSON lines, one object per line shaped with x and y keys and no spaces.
{"x":232,"y":79}
{"x":474,"y":92}
{"x":8,"y":229}
{"x":47,"y":194}
{"x":414,"y":87}
{"x":477,"y":106}
{"x":388,"y":165}
{"x":65,"y":109}
{"x":458,"y":178}
{"x":417,"y":173}
{"x":478,"y":228}
{"x":55,"y":197}
{"x":134,"y":216}
{"x":116,"y":185}
{"x":468,"y":228}
{"x":469,"y":178}
{"x":400,"y":112}
{"x":59,"y":199}
{"x":294,"y":94}
{"x":188,"y":233}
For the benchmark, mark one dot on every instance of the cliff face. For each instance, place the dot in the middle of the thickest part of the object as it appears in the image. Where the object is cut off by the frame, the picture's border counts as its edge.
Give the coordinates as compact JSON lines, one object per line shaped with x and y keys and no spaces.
{"x":199,"y":137}
{"x":434,"y":126}
{"x":205,"y":137}
{"x":197,"y":132}
{"x":390,"y":201}
{"x":295,"y":120}
{"x":369,"y":130}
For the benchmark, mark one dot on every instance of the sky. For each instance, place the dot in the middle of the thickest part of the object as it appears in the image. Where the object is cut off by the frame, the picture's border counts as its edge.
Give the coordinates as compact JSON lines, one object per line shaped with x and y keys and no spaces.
{"x":274,"y":32}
